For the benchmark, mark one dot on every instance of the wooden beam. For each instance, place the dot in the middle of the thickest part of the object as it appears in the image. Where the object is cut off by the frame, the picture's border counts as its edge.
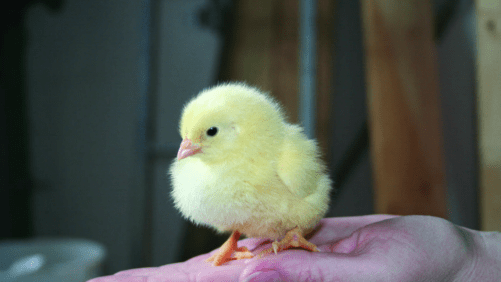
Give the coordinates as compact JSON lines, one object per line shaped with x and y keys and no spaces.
{"x":250,"y":58}
{"x":489,"y":111}
{"x":404,"y":107}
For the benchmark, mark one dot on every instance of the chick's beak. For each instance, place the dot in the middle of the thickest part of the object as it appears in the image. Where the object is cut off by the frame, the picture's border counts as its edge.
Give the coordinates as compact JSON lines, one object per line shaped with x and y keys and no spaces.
{"x":187,"y":149}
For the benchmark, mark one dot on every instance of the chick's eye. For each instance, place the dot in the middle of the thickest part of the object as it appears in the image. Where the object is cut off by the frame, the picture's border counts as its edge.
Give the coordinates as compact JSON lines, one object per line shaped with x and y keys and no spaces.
{"x":212,"y":131}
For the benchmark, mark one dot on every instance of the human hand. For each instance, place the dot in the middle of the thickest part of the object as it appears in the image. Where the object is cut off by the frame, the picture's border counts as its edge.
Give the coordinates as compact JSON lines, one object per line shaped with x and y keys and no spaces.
{"x":365,"y":248}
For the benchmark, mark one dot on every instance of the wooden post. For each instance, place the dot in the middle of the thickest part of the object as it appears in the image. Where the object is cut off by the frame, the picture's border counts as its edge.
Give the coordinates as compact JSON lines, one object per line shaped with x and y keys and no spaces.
{"x":264,"y":49}
{"x":404,"y":107}
{"x":489,"y":111}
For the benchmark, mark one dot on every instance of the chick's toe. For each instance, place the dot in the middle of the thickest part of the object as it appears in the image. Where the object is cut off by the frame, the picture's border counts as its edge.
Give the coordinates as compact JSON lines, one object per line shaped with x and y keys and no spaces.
{"x":229,"y":251}
{"x":293,"y":239}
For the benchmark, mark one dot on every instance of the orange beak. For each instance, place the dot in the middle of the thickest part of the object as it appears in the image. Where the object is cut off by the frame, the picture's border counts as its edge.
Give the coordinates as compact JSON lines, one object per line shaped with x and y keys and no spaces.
{"x":187,"y":149}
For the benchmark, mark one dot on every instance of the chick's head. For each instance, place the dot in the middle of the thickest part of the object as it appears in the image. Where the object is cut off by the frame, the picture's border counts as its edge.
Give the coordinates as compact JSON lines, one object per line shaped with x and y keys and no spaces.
{"x":230,"y":121}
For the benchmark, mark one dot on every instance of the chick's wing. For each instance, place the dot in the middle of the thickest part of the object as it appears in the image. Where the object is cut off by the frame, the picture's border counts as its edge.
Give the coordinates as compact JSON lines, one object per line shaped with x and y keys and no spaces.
{"x":299,"y":164}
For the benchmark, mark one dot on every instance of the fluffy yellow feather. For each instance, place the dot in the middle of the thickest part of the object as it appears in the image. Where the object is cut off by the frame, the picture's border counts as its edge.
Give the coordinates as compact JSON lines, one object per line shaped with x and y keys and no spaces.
{"x":241,"y":167}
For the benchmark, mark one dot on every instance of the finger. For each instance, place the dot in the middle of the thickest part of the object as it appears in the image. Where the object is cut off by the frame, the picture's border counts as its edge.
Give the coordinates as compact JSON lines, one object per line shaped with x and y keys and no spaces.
{"x":333,"y":229}
{"x":298,"y":265}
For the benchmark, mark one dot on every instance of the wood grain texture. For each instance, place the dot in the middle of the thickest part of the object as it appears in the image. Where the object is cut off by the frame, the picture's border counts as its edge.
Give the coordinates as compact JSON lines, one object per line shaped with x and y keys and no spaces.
{"x":264,"y":50}
{"x":250,"y":58}
{"x":404,"y":109}
{"x":489,"y":111}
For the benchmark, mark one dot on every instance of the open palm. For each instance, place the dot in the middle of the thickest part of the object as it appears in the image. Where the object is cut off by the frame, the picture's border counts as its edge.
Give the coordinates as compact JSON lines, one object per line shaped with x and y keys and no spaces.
{"x":365,"y":248}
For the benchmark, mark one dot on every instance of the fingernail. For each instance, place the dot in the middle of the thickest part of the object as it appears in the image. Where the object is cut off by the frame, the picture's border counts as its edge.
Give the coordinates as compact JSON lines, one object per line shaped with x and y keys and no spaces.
{"x":269,"y":276}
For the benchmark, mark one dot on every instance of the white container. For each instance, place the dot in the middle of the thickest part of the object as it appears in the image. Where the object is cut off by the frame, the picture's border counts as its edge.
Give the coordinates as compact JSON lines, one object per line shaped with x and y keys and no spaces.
{"x":50,"y":260}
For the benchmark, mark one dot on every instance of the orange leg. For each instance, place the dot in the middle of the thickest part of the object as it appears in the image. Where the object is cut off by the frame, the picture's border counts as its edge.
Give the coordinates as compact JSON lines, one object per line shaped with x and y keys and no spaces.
{"x":293,"y":239}
{"x":229,"y":251}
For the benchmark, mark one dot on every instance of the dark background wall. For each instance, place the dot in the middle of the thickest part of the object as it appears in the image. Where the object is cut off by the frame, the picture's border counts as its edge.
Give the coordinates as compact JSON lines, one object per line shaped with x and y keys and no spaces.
{"x":86,"y":75}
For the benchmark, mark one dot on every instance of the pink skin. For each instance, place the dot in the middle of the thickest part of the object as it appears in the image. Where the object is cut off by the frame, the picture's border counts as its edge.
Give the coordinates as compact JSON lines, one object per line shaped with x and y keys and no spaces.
{"x":365,"y":248}
{"x":188,"y":148}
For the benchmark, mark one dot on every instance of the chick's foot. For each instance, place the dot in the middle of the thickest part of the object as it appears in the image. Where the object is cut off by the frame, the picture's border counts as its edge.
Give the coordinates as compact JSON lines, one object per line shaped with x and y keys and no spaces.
{"x":229,"y":251}
{"x":293,"y":239}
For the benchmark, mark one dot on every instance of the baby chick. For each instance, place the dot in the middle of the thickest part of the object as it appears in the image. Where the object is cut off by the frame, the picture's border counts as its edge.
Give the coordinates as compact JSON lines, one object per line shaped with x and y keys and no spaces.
{"x":242,"y":168}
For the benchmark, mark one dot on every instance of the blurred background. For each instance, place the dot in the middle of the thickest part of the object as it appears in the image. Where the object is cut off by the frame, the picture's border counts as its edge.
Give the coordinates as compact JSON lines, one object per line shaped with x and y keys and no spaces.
{"x":403,"y":96}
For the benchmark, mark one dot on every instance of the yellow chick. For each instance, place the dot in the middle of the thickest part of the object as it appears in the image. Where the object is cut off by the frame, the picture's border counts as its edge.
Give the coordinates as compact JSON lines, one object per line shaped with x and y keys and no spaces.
{"x":242,"y":168}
